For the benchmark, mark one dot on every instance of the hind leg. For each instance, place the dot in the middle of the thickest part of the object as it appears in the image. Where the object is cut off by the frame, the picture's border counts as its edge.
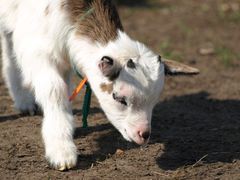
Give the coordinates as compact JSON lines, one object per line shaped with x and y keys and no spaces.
{"x":23,"y":99}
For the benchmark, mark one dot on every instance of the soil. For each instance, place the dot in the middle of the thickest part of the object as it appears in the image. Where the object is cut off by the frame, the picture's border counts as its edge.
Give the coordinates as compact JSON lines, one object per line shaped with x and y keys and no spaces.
{"x":196,"y":125}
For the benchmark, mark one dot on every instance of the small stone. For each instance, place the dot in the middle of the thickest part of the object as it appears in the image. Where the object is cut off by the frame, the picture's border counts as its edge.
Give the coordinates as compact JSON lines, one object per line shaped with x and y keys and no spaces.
{"x":207,"y":49}
{"x":229,"y":7}
{"x":225,"y":7}
{"x":119,"y":152}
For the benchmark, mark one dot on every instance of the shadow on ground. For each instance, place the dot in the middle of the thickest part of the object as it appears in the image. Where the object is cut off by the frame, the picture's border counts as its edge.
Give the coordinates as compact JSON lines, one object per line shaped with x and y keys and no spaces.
{"x":108,"y":140}
{"x":107,"y":146}
{"x":10,"y":117}
{"x":190,"y":127}
{"x":196,"y":126}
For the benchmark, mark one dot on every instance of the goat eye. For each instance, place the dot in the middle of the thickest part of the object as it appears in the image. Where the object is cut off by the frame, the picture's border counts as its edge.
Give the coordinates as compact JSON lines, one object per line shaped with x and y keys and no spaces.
{"x":121,"y":99}
{"x":131,"y":64}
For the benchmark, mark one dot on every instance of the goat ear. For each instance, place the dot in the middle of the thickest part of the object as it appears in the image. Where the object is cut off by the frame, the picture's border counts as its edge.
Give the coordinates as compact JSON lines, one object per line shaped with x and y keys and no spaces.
{"x":109,"y":68}
{"x":176,"y":68}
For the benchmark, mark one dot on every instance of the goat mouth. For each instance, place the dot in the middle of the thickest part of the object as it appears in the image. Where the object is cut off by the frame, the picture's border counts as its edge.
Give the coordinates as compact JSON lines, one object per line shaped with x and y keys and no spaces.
{"x":127,"y":137}
{"x":125,"y":130}
{"x":130,"y":139}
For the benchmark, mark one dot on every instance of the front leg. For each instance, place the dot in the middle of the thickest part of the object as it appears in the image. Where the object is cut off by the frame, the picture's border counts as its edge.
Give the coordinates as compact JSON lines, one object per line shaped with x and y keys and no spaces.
{"x":58,"y":126}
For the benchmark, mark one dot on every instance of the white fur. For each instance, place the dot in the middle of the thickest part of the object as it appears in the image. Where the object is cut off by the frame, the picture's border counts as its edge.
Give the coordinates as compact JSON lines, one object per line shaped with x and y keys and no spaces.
{"x":38,"y":63}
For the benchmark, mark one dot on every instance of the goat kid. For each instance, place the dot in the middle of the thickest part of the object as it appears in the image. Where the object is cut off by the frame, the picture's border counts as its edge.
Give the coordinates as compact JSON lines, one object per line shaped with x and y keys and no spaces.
{"x":40,"y":41}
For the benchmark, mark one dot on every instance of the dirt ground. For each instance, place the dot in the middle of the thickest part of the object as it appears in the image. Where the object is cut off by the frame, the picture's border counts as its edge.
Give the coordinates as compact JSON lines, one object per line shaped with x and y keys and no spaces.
{"x":196,"y":125}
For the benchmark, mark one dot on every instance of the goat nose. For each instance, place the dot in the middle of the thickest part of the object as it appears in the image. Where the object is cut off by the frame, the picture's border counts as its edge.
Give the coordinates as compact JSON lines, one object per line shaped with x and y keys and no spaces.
{"x":145,"y":135}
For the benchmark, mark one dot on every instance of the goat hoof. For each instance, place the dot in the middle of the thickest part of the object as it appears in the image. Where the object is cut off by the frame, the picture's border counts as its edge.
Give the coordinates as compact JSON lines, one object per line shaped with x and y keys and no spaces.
{"x":31,"y":110}
{"x":65,"y":167}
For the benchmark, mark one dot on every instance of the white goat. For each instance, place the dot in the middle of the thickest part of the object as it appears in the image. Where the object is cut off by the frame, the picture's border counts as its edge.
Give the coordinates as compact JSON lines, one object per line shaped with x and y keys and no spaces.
{"x":40,"y":41}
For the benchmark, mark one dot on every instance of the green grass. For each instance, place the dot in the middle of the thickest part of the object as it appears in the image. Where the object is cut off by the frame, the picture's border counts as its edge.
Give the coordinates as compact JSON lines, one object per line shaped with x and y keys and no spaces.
{"x":233,"y":16}
{"x":205,"y":7}
{"x":168,"y":53}
{"x":185,"y":29}
{"x":227,"y":56}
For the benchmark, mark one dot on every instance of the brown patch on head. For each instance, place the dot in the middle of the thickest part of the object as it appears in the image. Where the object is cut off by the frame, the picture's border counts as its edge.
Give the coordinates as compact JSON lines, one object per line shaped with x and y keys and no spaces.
{"x":46,"y":11}
{"x":100,"y":25}
{"x":107,"y":87}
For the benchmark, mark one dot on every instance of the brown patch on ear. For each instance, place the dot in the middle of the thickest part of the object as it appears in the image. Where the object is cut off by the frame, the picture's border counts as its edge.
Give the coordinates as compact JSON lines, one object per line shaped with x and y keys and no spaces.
{"x":176,"y":68}
{"x":107,"y":87}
